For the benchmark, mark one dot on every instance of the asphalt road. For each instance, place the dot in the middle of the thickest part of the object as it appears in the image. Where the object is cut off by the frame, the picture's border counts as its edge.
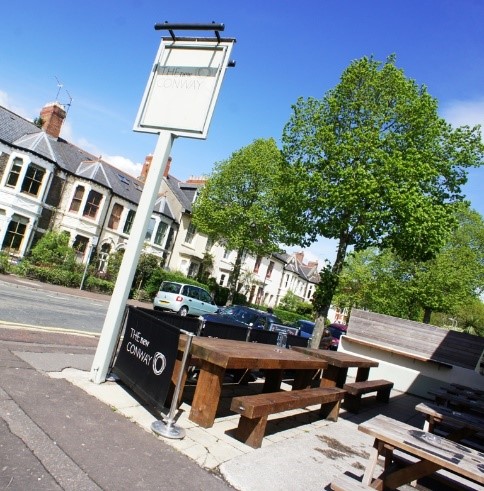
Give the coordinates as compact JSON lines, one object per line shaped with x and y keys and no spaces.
{"x":32,"y":303}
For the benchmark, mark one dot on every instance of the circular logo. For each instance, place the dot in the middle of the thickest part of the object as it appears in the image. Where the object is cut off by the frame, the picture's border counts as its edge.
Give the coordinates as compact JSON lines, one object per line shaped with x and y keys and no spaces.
{"x":159,"y":363}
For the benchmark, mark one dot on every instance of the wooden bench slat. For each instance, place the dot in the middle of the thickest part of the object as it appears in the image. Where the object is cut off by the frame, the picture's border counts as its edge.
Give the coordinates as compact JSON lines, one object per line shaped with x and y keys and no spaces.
{"x":255,"y":406}
{"x":255,"y":409}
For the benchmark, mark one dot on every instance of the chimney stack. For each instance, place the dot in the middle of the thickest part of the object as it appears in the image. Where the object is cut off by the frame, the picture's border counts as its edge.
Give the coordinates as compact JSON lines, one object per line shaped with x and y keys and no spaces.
{"x":52,"y":115}
{"x":146,"y":168}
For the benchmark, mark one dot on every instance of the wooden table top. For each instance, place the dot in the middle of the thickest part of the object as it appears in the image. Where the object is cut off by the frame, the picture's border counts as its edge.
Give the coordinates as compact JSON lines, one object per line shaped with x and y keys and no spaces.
{"x":337,"y":358}
{"x":427,"y":446}
{"x":227,"y":353}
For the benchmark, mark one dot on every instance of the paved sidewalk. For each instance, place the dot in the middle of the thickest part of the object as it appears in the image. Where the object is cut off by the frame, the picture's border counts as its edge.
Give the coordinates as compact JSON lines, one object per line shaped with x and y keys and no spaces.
{"x":58,"y":430}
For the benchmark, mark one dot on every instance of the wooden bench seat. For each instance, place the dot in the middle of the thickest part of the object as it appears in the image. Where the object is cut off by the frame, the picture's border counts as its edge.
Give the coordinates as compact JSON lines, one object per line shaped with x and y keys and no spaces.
{"x":254,"y":409}
{"x":355,"y":390}
{"x":348,"y":483}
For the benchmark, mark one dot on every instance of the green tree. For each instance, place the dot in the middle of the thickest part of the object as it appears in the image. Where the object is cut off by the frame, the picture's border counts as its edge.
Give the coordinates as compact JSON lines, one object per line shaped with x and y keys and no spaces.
{"x":372,"y":164}
{"x":238,"y":204}
{"x":454,"y":279}
{"x":456,"y":275}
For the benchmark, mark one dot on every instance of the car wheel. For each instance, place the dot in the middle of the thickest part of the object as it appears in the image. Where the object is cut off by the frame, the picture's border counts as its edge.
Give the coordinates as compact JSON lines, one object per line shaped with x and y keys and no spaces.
{"x":183,"y":311}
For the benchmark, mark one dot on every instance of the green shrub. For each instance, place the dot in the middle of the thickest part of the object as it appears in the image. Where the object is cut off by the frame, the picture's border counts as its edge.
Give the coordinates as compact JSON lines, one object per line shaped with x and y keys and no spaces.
{"x":100,"y":285}
{"x":53,"y":250}
{"x":4,"y":263}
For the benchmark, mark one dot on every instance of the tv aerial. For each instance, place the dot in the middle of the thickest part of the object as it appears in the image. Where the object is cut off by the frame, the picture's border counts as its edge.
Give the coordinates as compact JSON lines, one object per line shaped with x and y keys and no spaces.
{"x":60,"y":86}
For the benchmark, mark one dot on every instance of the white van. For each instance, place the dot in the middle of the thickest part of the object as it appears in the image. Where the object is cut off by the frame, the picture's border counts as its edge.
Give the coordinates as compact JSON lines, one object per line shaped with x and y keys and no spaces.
{"x":184,"y":299}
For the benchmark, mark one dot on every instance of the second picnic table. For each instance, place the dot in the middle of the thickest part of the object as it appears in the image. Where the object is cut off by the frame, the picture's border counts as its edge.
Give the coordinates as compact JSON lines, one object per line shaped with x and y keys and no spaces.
{"x":338,"y":363}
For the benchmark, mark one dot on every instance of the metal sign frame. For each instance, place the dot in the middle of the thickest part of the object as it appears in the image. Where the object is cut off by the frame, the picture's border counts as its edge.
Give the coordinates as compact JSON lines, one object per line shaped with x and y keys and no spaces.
{"x":183,"y":86}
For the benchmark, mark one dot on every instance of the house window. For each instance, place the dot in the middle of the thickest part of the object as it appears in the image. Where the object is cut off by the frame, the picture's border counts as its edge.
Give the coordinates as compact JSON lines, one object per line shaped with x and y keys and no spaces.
{"x":129,"y":222}
{"x":269,"y":269}
{"x":149,"y":230}
{"x":160,"y":233}
{"x":227,"y":253}
{"x":193,"y":270}
{"x":77,"y":199}
{"x":190,"y":233}
{"x":80,"y":246}
{"x":92,"y":204}
{"x":115,"y":217}
{"x":15,"y":233}
{"x":222,"y":279}
{"x":33,"y":180}
{"x":257,"y":264}
{"x":14,"y":174}
{"x":209,"y":244}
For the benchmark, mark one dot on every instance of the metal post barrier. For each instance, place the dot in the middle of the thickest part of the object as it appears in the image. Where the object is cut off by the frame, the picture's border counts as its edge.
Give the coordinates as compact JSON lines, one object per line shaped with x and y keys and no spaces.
{"x":167,"y":426}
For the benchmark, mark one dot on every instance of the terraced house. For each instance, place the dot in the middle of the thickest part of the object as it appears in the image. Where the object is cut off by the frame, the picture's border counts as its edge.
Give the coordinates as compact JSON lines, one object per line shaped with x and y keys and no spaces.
{"x":47,"y":183}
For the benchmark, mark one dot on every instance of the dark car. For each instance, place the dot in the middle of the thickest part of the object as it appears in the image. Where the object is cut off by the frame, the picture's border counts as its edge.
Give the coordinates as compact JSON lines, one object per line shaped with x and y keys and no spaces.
{"x":337,"y":330}
{"x":305,"y":328}
{"x":239,"y":315}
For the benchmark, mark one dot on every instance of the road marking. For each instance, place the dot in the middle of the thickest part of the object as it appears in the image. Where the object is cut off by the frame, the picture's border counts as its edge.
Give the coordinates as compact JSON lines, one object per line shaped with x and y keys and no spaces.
{"x":30,"y":327}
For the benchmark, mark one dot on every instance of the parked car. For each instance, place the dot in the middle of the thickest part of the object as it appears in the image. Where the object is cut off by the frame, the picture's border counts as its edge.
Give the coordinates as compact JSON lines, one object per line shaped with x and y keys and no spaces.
{"x":305,"y":328}
{"x":240,"y":315}
{"x":336,"y":330}
{"x":184,"y":299}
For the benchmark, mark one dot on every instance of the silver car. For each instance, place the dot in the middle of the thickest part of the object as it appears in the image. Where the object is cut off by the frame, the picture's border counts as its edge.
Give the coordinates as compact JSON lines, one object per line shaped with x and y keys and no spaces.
{"x":184,"y":299}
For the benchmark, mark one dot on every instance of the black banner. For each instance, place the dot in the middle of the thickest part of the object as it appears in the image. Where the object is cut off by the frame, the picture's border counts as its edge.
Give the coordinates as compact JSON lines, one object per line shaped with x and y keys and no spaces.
{"x":147,"y":356}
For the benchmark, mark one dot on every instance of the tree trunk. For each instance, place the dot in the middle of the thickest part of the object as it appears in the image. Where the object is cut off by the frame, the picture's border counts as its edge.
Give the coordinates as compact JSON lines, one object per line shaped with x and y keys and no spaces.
{"x":234,"y":277}
{"x":427,"y":314}
{"x":331,"y":279}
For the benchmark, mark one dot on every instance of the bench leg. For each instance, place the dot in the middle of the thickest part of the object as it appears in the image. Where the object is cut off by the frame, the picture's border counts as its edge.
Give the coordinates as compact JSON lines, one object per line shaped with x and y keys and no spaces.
{"x":251,"y":431}
{"x":383,"y":395}
{"x":330,"y":410}
{"x":352,"y":403}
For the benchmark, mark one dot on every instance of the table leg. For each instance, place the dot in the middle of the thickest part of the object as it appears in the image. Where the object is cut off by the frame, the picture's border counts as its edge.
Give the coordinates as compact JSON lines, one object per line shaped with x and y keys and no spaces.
{"x":207,"y":395}
{"x":273,"y":380}
{"x":362,"y":374}
{"x":334,"y":376}
{"x":302,"y":379}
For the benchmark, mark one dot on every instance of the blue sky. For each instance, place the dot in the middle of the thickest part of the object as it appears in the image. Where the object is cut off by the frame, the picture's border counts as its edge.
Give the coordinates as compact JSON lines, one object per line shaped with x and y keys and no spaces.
{"x":102,"y":52}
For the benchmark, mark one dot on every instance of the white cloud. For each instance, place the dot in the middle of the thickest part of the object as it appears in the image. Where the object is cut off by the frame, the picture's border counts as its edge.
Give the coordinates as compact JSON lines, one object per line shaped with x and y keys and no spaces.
{"x":124,"y":164}
{"x":5,"y":101}
{"x":460,"y":113}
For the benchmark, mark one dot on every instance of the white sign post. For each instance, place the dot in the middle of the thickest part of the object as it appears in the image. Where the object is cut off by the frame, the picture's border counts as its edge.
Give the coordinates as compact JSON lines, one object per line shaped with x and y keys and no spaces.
{"x":178,"y":101}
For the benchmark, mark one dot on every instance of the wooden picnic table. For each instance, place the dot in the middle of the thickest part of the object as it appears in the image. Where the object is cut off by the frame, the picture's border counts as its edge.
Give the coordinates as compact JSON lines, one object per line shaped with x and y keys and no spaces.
{"x":462,"y":424}
{"x":432,"y":452}
{"x":214,"y":356}
{"x":338,"y":363}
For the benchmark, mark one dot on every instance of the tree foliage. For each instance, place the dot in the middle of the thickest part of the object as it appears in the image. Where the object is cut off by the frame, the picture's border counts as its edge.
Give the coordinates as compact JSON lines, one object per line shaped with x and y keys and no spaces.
{"x":448,"y":284}
{"x":372,"y":164}
{"x":238,"y":204}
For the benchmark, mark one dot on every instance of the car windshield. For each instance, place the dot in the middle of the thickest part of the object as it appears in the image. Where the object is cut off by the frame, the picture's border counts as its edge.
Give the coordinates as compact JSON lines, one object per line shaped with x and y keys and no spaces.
{"x":243,"y":315}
